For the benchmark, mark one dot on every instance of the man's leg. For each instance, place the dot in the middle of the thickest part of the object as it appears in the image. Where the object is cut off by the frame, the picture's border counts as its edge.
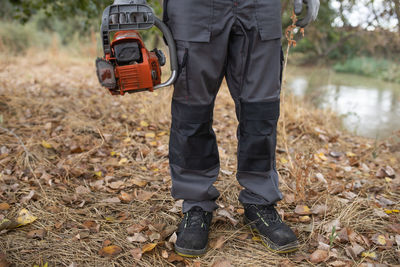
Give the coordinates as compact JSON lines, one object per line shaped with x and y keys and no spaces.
{"x":254,"y":69}
{"x":193,"y":152}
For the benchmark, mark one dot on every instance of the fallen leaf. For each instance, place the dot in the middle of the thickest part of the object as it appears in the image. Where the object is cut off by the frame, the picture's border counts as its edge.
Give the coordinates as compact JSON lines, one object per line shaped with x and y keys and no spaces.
{"x":222,"y":263}
{"x":371,"y":255}
{"x":135,"y":228}
{"x":217,"y":244}
{"x":329,"y":226}
{"x":82,"y":190}
{"x":110,"y":251}
{"x":25,"y":217}
{"x":354,"y":251}
{"x":137,"y":237}
{"x":169,"y":230}
{"x":139,"y":183}
{"x":243,"y":236}
{"x":4,"y":206}
{"x":240,"y":211}
{"x":225,"y":213}
{"x":318,"y":256}
{"x":92,"y":226}
{"x":379,"y":239}
{"x":319,"y":209}
{"x":136,"y":253}
{"x":173,"y":238}
{"x":39,"y":234}
{"x":304,"y":218}
{"x":385,"y":172}
{"x":174,"y":257}
{"x":116,"y":185}
{"x":154,"y":236}
{"x":125,"y":197}
{"x":302,"y":210}
{"x":144,"y":195}
{"x":148,"y":247}
{"x":150,"y":135}
{"x":46,"y":145}
{"x":164,"y":254}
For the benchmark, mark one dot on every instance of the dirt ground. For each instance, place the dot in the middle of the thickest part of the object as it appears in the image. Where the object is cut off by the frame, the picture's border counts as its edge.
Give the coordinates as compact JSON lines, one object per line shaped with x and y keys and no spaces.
{"x":93,"y":169}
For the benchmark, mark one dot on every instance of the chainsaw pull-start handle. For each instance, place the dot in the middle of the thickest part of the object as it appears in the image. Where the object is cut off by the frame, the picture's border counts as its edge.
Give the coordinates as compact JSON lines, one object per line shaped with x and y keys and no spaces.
{"x":172,"y":53}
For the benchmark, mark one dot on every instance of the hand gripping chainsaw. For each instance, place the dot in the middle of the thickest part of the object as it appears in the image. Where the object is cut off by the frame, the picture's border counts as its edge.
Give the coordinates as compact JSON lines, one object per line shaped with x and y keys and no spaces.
{"x":127,"y":65}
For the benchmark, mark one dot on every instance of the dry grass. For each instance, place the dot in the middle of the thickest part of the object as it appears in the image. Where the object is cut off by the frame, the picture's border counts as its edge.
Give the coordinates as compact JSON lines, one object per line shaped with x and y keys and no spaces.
{"x":57,"y":99}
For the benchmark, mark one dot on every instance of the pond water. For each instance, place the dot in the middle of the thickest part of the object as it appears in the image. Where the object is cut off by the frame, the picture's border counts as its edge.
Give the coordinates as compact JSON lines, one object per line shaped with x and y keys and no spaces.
{"x":369,"y":107}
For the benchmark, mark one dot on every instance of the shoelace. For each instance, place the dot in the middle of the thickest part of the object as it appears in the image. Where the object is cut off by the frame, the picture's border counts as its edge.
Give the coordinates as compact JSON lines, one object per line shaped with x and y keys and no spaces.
{"x":269,"y":212}
{"x":195,"y":218}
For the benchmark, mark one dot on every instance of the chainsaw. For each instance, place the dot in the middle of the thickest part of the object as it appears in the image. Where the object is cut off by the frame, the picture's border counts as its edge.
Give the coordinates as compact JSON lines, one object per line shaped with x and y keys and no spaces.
{"x":128,"y":66}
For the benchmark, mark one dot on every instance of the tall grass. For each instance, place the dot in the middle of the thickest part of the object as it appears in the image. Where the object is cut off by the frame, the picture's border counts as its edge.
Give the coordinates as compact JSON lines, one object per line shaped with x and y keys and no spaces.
{"x":383,"y":69}
{"x":16,"y":38}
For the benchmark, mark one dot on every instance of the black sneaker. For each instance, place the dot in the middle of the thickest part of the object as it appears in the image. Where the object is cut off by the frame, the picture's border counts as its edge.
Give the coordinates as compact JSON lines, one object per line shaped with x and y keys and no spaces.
{"x":265,"y":222}
{"x":193,"y":233}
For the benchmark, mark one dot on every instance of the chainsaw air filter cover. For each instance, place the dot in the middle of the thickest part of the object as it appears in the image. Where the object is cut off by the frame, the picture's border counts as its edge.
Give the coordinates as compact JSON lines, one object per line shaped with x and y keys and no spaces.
{"x":127,"y":53}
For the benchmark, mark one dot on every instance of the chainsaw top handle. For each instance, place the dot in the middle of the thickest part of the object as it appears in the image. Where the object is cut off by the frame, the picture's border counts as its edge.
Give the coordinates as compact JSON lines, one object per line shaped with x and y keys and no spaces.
{"x":137,"y":15}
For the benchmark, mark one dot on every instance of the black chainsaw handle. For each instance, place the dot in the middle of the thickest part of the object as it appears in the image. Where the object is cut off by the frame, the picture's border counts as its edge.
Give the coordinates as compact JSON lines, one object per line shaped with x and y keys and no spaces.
{"x":172,"y":53}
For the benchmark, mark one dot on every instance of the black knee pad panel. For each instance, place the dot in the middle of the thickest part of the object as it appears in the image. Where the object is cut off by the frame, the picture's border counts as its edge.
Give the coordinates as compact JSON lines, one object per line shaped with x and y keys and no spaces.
{"x":192,"y":141}
{"x":257,"y":135}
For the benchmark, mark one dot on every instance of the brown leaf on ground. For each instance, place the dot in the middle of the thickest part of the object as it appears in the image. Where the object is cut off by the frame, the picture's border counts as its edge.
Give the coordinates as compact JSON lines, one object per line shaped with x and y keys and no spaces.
{"x":302,"y":210}
{"x":385,"y":172}
{"x":218,"y":243}
{"x":227,"y":214}
{"x":125,"y":197}
{"x":136,"y":253}
{"x":137,"y":237}
{"x":354,"y":251}
{"x":382,"y":240}
{"x":148,"y":247}
{"x":175,"y":257}
{"x":39,"y":234}
{"x":164,"y":254}
{"x":318,"y":256}
{"x":222,"y":263}
{"x":137,"y":182}
{"x":116,"y":185}
{"x":243,"y":236}
{"x":319,"y":209}
{"x":143,"y":195}
{"x":135,"y":228}
{"x":110,"y":251}
{"x":4,"y":206}
{"x":92,"y":226}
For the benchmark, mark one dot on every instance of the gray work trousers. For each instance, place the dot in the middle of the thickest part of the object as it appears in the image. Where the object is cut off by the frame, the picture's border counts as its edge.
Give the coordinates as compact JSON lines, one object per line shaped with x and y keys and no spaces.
{"x":238,"y":40}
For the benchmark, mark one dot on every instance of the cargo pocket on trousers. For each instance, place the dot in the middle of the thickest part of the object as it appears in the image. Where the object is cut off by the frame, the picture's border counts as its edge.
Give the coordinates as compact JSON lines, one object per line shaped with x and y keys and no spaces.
{"x":189,"y":20}
{"x":268,"y":16}
{"x":181,"y":84}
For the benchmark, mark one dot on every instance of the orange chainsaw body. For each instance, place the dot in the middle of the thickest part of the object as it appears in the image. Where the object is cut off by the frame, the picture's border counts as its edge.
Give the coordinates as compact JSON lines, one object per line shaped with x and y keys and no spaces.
{"x":136,"y":76}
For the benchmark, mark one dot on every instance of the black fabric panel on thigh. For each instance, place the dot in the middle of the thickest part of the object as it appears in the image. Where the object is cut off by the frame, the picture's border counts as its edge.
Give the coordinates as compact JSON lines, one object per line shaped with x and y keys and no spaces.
{"x":257,"y":136}
{"x":192,"y":141}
